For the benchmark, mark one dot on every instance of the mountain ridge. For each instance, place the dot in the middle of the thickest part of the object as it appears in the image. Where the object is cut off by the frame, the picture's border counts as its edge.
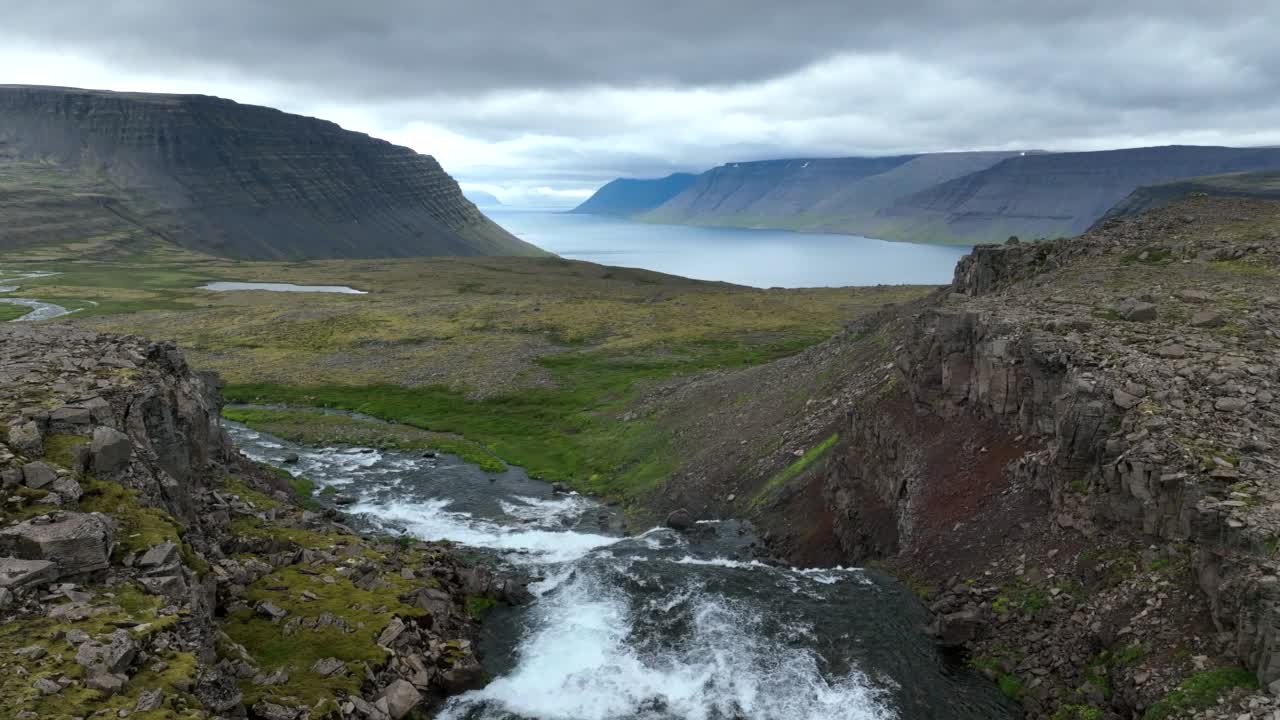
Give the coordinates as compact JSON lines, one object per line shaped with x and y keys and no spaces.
{"x":959,"y":198}
{"x":225,"y":178}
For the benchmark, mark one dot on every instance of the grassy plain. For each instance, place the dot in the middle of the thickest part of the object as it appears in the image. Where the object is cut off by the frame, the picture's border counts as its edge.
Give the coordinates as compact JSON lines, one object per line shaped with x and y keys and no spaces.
{"x":534,"y":361}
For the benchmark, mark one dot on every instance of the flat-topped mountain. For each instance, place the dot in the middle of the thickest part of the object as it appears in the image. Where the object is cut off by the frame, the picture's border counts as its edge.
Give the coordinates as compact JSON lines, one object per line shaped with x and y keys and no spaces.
{"x":1053,"y":194}
{"x":223,"y":178}
{"x":812,"y":194}
{"x":965,"y":197}
{"x":1262,"y":184}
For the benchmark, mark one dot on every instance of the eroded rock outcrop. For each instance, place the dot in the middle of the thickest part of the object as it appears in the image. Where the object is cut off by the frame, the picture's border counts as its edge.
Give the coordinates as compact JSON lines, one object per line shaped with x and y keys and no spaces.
{"x":170,"y":577}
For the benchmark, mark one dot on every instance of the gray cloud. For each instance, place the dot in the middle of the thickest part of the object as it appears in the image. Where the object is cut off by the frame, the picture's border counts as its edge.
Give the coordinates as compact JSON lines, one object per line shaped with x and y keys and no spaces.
{"x":568,"y":93}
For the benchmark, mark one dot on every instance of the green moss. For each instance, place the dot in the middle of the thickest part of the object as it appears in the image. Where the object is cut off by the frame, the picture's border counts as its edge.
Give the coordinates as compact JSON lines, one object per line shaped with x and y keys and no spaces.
{"x":1200,"y":691}
{"x":1011,"y":685}
{"x":60,"y":448}
{"x":366,"y":613}
{"x":140,"y":526}
{"x":125,"y":604}
{"x":478,"y":605}
{"x":801,"y":464}
{"x":257,"y":498}
{"x":10,"y":311}
{"x":1078,"y":712}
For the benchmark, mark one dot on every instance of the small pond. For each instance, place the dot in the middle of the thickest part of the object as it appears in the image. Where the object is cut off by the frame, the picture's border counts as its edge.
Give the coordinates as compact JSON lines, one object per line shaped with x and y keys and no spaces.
{"x":281,"y":287}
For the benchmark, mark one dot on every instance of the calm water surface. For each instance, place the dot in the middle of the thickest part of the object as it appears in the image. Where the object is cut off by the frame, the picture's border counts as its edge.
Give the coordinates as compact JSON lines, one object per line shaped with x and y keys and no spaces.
{"x":761,"y":258}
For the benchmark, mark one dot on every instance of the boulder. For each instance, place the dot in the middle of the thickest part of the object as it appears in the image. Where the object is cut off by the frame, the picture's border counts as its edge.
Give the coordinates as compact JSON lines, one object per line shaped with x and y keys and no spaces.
{"x":106,"y":682}
{"x":114,"y":656}
{"x":109,"y":450}
{"x":291,"y":459}
{"x":401,"y":697}
{"x":1208,"y":319}
{"x":1231,"y":404}
{"x":173,"y":587}
{"x":680,"y":520}
{"x":162,"y":555}
{"x":26,"y":438}
{"x":77,"y":542}
{"x":325,"y":667}
{"x":953,"y":630}
{"x":17,"y":573}
{"x":270,"y":610}
{"x":1138,"y":311}
{"x":37,"y":475}
{"x":67,"y":488}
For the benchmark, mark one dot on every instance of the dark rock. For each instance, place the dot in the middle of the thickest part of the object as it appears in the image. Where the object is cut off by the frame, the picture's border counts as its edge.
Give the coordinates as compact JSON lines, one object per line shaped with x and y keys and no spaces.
{"x":37,"y":475}
{"x":270,"y":610}
{"x":291,"y":459}
{"x":106,"y":682}
{"x":680,"y":520}
{"x":77,"y":542}
{"x":109,"y":450}
{"x":162,"y":555}
{"x":18,"y":573}
{"x":955,"y":629}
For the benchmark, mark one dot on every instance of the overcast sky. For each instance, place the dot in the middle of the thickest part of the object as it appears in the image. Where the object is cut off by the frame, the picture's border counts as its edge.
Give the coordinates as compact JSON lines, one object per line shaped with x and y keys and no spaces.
{"x":544,"y":100}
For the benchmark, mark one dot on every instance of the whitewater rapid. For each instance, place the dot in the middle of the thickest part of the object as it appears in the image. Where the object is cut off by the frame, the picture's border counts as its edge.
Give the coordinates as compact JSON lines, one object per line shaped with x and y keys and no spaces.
{"x":655,"y":625}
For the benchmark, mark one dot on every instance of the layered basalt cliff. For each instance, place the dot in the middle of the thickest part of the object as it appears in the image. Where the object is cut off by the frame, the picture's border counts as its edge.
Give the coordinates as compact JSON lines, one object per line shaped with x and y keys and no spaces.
{"x":1075,"y":460}
{"x":238,"y":180}
{"x":147,"y":568}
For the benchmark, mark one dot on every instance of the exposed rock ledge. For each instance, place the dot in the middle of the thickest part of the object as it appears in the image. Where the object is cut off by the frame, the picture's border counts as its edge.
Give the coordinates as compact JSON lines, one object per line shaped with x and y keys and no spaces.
{"x":145,"y":566}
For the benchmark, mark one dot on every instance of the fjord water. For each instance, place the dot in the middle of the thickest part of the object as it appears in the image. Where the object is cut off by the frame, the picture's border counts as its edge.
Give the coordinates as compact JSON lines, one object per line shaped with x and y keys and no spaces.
{"x":759,"y":258}
{"x":653,"y":625}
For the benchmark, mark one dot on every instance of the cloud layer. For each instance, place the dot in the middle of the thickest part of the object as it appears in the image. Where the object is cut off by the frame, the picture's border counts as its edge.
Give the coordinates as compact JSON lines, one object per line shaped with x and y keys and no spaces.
{"x":539,"y":101}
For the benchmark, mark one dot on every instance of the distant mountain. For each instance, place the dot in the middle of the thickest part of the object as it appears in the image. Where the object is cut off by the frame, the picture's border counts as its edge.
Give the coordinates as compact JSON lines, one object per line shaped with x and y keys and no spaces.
{"x":964,"y":197}
{"x":629,"y":196}
{"x":222,"y":178}
{"x":1052,"y":194}
{"x":837,"y":195}
{"x":1261,"y":184}
{"x":482,"y":198}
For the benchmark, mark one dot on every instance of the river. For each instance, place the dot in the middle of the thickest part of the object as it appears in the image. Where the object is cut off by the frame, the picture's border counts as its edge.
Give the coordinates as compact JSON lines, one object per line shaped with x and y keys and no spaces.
{"x":40,"y":310}
{"x":759,"y":258}
{"x":655,"y":624}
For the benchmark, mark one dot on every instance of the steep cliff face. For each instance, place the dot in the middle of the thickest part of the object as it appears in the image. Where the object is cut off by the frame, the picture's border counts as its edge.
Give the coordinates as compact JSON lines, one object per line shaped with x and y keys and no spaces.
{"x":147,"y":567}
{"x":243,"y":181}
{"x":630,"y":196}
{"x":1068,"y":416}
{"x":1053,"y":194}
